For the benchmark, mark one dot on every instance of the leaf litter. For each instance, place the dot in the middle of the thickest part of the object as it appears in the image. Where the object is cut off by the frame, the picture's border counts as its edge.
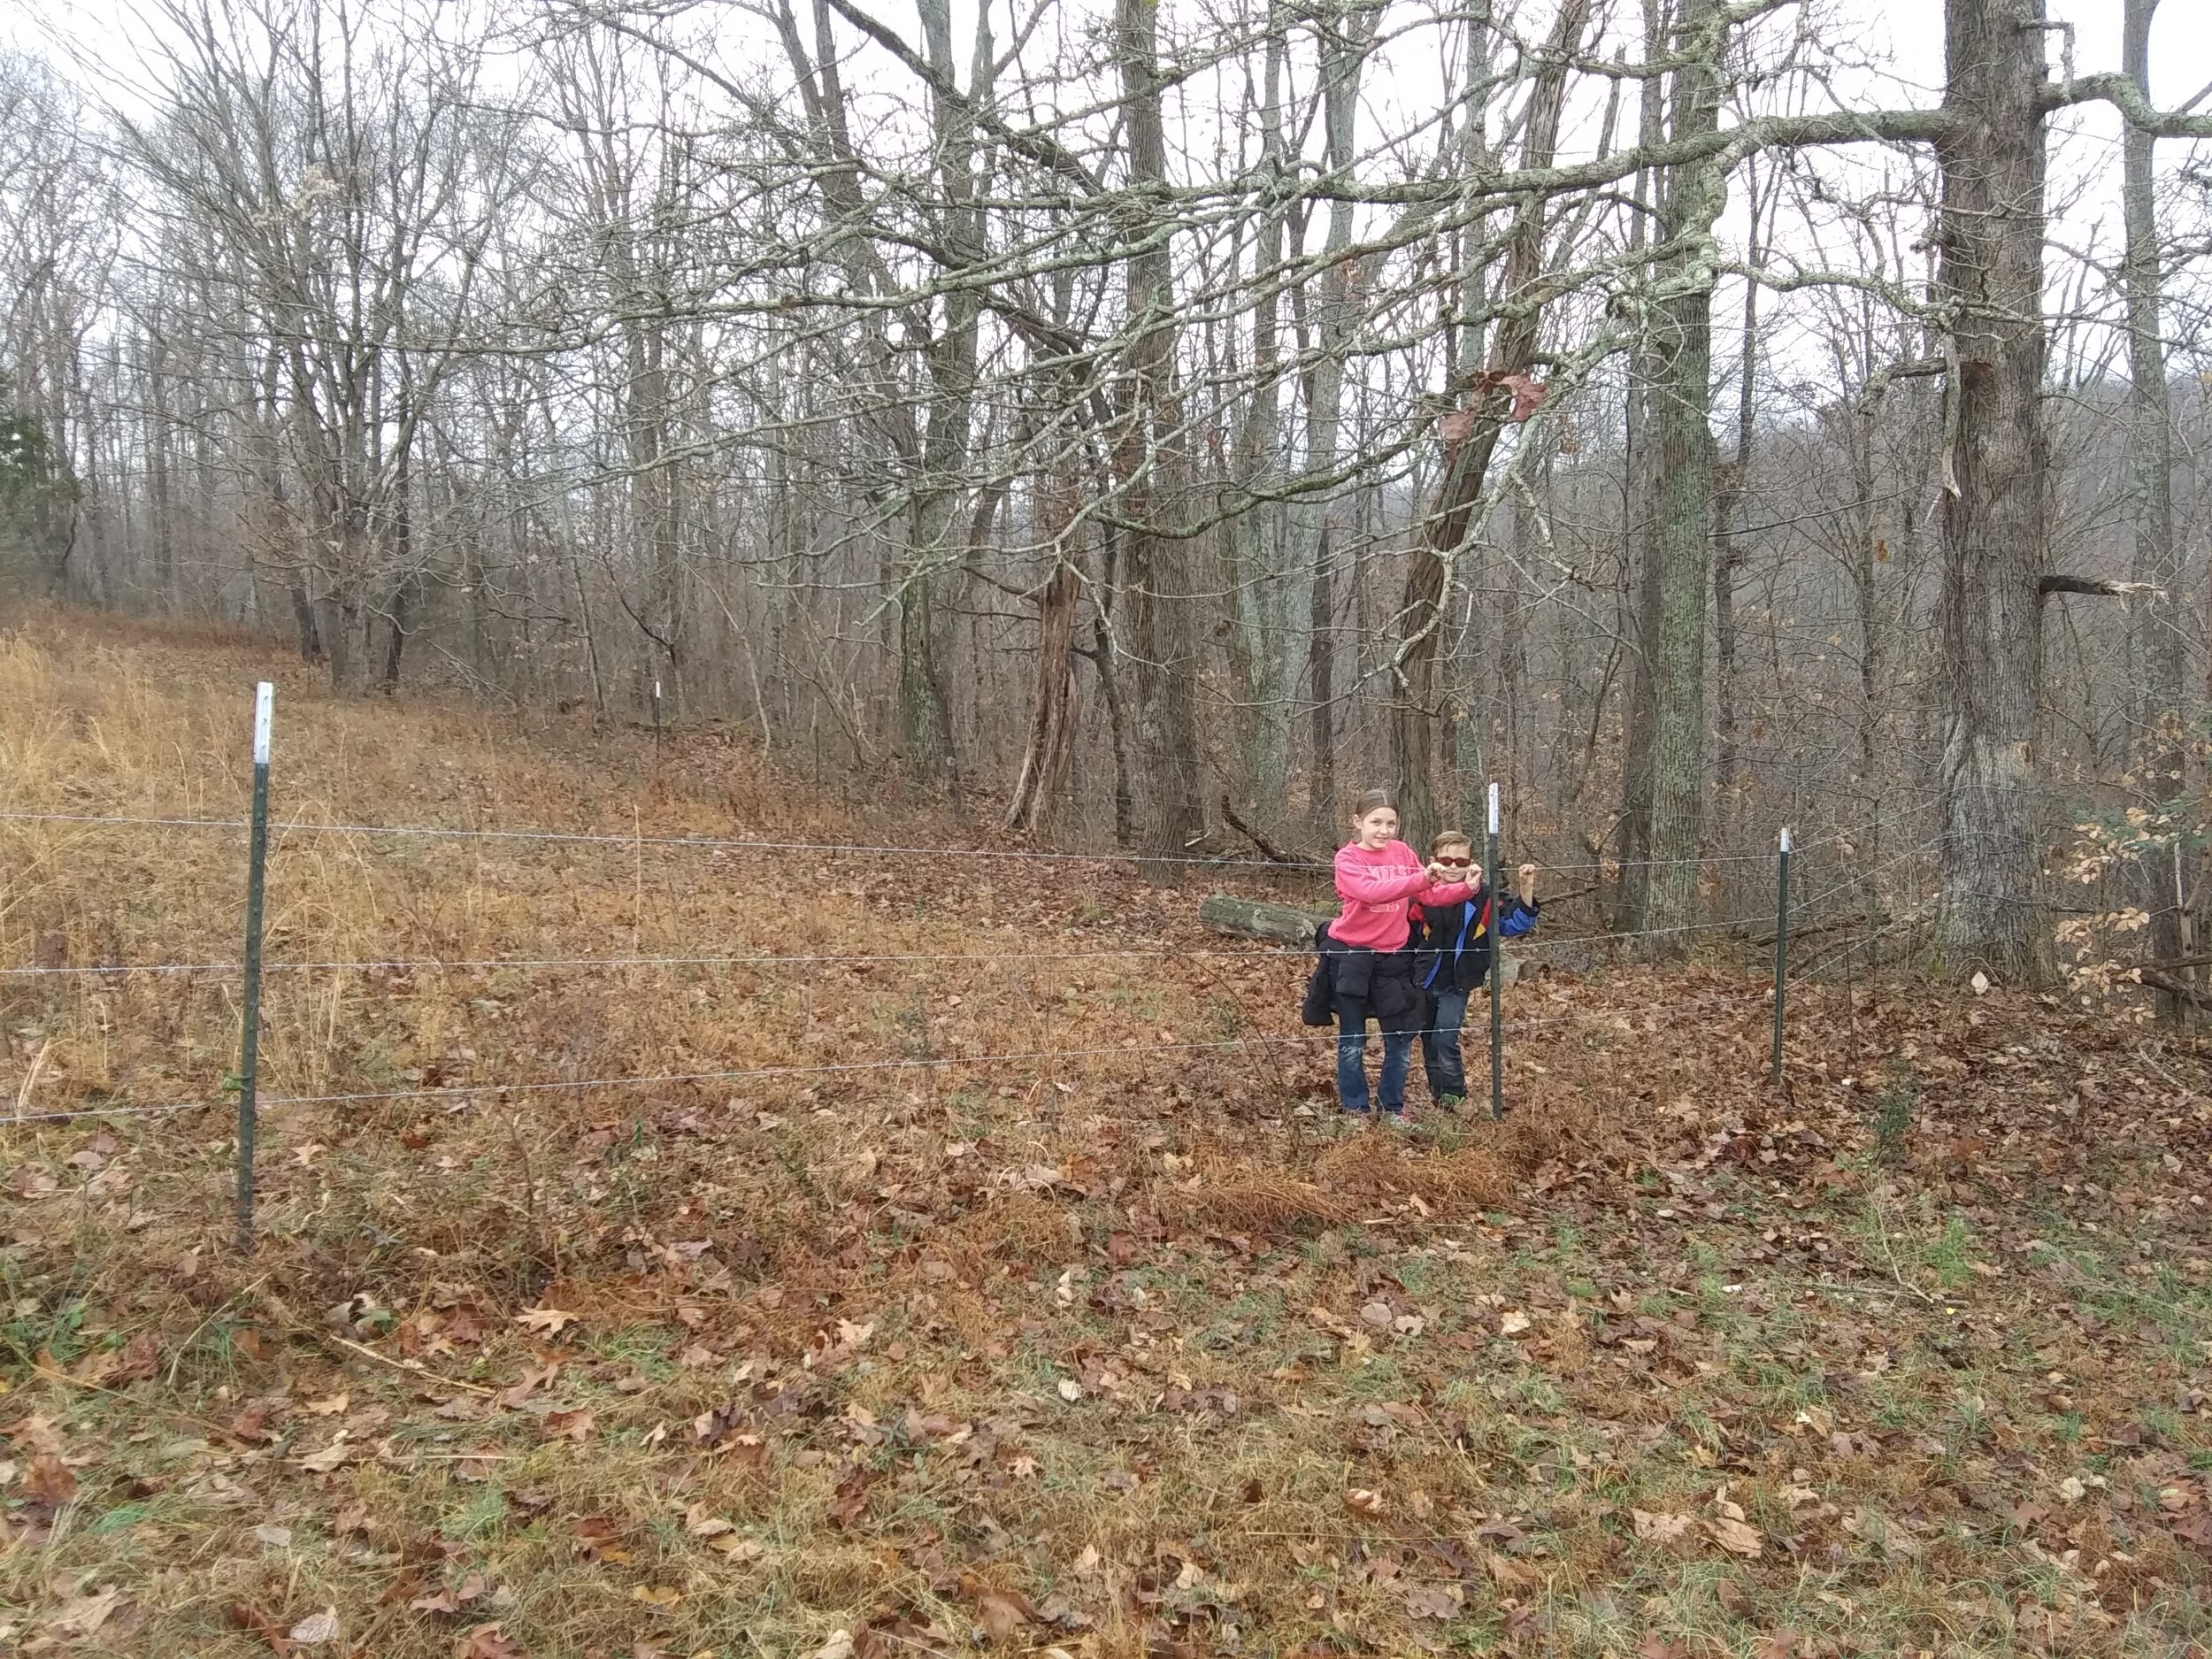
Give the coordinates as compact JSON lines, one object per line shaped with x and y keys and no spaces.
{"x":1128,"y":1354}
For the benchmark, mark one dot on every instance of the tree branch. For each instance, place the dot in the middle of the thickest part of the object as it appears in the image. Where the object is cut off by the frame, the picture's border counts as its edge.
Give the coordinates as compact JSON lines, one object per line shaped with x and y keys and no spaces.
{"x":2096,"y":589}
{"x":2124,"y":94}
{"x":1046,"y":152}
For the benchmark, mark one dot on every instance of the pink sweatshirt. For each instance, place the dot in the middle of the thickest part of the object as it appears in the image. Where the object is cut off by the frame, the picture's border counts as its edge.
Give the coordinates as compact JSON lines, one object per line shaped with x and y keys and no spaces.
{"x":1377,"y":889}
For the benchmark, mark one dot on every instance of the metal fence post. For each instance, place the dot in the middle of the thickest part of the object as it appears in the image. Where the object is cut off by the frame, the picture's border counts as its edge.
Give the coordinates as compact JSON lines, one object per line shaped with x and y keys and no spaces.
{"x":1781,"y":944}
{"x":1497,"y":969}
{"x":656,"y":716}
{"x":249,"y":1033}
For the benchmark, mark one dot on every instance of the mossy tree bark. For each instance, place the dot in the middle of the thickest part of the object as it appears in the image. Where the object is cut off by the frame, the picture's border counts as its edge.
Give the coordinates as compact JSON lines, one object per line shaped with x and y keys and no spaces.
{"x":1994,"y":536}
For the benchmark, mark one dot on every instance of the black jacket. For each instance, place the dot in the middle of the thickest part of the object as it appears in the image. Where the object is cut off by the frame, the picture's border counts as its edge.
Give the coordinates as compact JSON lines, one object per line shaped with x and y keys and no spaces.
{"x":1354,"y":984}
{"x":1452,"y":946}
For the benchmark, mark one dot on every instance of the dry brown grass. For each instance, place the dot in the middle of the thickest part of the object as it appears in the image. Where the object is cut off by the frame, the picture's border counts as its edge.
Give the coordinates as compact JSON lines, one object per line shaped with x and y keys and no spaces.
{"x":1115,"y":1341}
{"x":1456,"y":1183}
{"x":1263,"y":1206}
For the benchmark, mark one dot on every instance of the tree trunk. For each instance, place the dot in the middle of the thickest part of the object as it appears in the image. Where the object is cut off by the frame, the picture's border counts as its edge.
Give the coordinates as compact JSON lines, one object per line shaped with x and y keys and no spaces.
{"x":1103,"y":656}
{"x":925,"y":727}
{"x":1345,"y":40}
{"x":2155,"y":619}
{"x":1639,"y":541}
{"x":1682,"y":460}
{"x":1273,"y":569}
{"x":162,"y":497}
{"x":1047,"y":754}
{"x":1990,"y":236}
{"x":402,"y":560}
{"x":1733,"y":483}
{"x":1413,"y":704}
{"x":1155,"y":567}
{"x":1322,"y":805}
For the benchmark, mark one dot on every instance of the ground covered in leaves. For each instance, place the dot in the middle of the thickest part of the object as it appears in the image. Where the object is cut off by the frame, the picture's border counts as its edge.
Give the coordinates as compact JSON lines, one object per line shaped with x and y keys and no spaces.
{"x":1113,"y":1347}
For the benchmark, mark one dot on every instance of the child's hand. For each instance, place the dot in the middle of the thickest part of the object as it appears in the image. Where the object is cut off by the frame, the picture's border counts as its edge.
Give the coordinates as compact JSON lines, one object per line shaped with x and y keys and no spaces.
{"x":1528,"y":875}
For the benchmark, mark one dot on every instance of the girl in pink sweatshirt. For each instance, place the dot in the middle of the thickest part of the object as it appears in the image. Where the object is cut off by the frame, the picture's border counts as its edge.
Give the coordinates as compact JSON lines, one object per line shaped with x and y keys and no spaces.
{"x":1379,"y":879}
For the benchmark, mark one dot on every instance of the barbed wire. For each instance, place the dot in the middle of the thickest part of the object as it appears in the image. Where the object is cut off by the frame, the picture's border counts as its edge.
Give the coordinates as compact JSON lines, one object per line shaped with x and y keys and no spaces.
{"x":485,"y":964}
{"x":712,"y":843}
{"x":1520,"y":1023}
{"x":518,"y":963}
{"x":662,"y":1079}
{"x":855,"y":849}
{"x":1763,"y":855}
{"x":1859,"y":943}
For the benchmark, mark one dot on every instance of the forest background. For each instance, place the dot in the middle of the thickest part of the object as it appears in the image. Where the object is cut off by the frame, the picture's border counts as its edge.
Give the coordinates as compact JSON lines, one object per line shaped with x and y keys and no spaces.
{"x":1145,"y":425}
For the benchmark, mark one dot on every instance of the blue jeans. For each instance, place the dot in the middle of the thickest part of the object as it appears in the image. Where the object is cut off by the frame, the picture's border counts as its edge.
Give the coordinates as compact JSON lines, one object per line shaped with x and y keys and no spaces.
{"x":1351,"y":1064}
{"x":1439,"y":1044}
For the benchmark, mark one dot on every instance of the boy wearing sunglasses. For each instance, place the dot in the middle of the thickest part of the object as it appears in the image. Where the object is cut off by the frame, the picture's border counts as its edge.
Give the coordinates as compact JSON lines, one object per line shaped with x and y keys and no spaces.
{"x":1453,"y":959}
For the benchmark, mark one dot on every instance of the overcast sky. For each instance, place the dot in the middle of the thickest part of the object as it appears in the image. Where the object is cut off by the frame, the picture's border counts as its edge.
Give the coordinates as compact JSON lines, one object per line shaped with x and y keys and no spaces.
{"x":1404,"y":86}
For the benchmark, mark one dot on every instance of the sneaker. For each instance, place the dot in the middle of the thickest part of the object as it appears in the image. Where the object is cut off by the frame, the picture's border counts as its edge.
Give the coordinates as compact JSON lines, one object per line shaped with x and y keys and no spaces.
{"x":1351,"y":1122}
{"x":1451,"y":1102}
{"x":1397,"y":1119}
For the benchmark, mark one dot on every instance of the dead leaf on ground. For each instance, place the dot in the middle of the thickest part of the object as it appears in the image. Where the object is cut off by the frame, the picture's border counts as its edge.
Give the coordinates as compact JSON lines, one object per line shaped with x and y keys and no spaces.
{"x":1004,"y":1615}
{"x":35,"y":1433}
{"x":489,"y":1641}
{"x":1434,"y":1601}
{"x":839,"y":1645}
{"x":1362,"y":1500}
{"x":1653,"y":1527}
{"x":545,"y":1321}
{"x":316,"y":1628}
{"x":571,"y":1425}
{"x":1653,"y":1646}
{"x":83,"y":1615}
{"x":1739,"y":1537}
{"x":245,"y":1615}
{"x":48,"y":1480}
{"x":451,"y":1599}
{"x":533,"y":1378}
{"x":596,"y":1536}
{"x":702,"y":1522}
{"x":1508,"y":1574}
{"x":140,"y":1358}
{"x":327,"y":1459}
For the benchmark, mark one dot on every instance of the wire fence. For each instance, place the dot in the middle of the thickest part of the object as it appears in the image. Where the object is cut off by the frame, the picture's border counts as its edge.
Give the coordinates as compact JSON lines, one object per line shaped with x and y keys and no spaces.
{"x":1522,"y":1025}
{"x":1601,"y":936}
{"x":1852,"y":887}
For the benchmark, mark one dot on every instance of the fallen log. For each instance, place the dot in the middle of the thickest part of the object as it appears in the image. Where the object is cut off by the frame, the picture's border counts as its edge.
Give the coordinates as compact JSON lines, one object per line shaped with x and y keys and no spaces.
{"x":1254,"y":919}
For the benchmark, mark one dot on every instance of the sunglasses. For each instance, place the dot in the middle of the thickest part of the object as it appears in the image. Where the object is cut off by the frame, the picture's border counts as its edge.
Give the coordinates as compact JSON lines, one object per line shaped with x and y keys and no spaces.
{"x":1455,"y":864}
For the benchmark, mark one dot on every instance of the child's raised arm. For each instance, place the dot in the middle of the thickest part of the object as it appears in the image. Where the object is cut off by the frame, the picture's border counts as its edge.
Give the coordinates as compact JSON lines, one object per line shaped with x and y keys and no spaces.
{"x":1441,"y":893}
{"x":1518,"y":916}
{"x":1359,"y":882}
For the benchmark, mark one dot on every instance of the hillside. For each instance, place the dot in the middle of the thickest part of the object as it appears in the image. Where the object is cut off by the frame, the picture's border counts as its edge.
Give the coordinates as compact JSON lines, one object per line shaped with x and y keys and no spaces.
{"x":988,"y":1269}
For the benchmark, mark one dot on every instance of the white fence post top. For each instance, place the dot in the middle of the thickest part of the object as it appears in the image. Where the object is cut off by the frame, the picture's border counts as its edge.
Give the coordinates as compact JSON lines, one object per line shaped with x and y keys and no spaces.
{"x":264,"y":712}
